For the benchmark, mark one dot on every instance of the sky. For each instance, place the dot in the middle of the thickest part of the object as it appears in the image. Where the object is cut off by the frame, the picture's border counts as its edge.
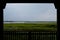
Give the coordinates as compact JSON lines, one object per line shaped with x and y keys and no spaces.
{"x":30,"y":12}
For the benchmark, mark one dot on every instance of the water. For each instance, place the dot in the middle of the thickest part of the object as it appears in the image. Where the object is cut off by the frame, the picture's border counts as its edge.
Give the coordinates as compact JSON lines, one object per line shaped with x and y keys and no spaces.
{"x":39,"y":22}
{"x":21,"y":22}
{"x":13,"y":22}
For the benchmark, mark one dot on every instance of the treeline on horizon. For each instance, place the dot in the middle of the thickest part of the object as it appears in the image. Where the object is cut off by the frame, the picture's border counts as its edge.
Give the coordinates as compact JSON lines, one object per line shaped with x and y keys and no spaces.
{"x":29,"y":21}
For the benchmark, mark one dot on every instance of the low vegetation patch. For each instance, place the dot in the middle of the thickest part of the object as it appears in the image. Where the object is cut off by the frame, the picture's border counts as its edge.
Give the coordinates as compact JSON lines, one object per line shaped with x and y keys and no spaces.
{"x":30,"y":26}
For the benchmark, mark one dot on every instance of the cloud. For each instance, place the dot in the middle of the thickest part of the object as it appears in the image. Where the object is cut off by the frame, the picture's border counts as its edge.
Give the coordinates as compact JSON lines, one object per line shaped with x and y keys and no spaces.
{"x":38,"y":12}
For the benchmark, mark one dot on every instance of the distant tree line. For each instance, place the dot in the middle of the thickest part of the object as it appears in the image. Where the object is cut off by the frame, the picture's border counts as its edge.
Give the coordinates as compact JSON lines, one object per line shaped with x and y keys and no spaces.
{"x":8,"y":21}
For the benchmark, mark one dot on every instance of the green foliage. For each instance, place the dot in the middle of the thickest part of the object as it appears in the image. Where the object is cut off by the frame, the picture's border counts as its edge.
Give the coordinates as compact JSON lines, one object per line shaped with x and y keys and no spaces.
{"x":30,"y":26}
{"x":51,"y":26}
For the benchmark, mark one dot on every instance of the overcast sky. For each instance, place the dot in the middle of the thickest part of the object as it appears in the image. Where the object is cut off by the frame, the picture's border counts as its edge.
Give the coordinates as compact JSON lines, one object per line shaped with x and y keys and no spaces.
{"x":30,"y":12}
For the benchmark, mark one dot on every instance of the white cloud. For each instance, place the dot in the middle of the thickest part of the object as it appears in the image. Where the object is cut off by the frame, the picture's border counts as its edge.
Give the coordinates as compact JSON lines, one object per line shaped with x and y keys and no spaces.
{"x":29,"y":12}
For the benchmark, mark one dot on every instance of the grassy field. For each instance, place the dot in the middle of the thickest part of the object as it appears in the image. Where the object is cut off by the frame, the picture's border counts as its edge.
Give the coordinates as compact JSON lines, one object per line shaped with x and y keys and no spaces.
{"x":50,"y":26}
{"x":30,"y":26}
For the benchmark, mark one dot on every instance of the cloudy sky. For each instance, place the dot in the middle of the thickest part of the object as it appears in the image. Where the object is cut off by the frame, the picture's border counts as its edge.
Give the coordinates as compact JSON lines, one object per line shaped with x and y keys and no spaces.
{"x":30,"y":12}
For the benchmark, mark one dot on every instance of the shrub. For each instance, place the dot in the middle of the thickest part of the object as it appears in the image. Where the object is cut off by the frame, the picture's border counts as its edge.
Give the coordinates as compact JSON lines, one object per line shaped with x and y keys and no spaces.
{"x":54,"y":26}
